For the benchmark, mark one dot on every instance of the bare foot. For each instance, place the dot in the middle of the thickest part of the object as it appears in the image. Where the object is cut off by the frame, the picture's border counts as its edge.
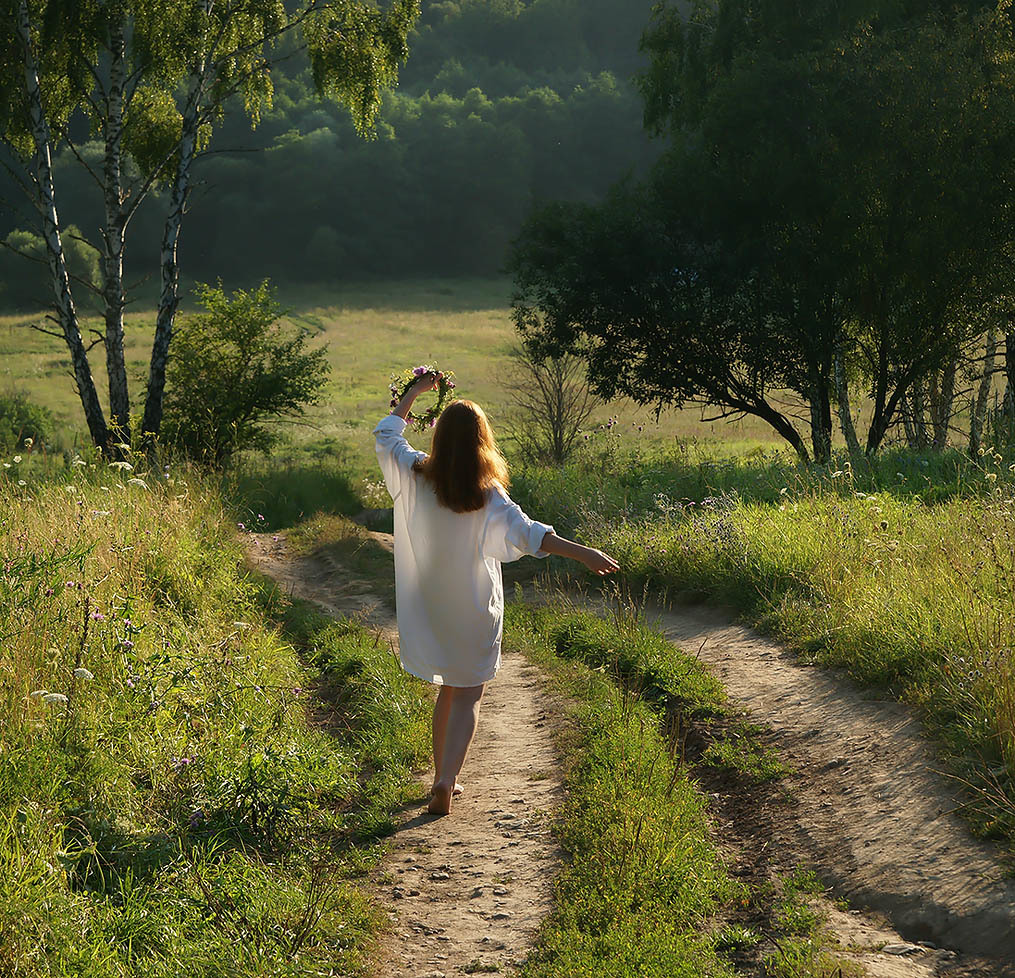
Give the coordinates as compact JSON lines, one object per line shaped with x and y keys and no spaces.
{"x":454,"y":794}
{"x":440,"y":800}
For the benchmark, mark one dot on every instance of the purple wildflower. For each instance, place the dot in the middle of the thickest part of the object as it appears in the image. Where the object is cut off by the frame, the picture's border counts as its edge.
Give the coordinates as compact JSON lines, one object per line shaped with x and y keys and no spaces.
{"x":418,"y":371}
{"x":97,"y":616}
{"x":49,"y":592}
{"x":241,"y":526}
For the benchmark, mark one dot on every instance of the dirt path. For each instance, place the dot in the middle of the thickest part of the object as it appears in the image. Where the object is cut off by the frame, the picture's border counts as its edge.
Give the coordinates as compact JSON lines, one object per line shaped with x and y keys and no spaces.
{"x":867,"y":807}
{"x":467,"y":893}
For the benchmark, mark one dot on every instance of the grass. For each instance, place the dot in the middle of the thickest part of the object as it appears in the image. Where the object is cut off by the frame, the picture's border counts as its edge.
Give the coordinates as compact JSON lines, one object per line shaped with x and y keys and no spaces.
{"x":644,"y":891}
{"x":372,"y":329}
{"x":195,"y":772}
{"x":902,"y":574}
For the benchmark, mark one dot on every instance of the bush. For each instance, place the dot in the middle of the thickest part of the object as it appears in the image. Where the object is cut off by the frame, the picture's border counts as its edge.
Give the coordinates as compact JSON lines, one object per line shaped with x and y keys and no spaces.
{"x":24,"y":274}
{"x":233,"y":372}
{"x":20,"y":418}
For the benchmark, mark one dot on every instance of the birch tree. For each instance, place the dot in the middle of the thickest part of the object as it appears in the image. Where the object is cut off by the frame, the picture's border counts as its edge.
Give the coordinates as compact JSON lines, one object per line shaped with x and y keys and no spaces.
{"x":153,"y":78}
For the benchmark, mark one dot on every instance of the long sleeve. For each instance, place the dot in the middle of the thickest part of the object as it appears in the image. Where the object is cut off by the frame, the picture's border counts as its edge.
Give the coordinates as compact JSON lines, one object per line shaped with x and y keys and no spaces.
{"x":394,"y":453}
{"x":509,"y":533}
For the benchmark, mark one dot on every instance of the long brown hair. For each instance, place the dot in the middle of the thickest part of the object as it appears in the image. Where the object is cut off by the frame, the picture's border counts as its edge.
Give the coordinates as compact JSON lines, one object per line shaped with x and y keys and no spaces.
{"x":464,"y":460}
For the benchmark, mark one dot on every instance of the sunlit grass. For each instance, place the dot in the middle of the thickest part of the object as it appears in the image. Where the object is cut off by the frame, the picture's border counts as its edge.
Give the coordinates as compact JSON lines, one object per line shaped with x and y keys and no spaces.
{"x":173,"y":800}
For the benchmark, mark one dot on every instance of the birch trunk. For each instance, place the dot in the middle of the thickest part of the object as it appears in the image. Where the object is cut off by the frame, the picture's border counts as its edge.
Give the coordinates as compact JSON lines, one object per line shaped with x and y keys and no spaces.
{"x":845,"y":411}
{"x":941,"y":404}
{"x":46,"y":202}
{"x":979,"y":411}
{"x":169,"y":299}
{"x":113,"y":296}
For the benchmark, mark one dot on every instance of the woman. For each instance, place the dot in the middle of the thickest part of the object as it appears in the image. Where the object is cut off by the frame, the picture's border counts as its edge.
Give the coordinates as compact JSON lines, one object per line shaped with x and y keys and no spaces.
{"x":454,"y":526}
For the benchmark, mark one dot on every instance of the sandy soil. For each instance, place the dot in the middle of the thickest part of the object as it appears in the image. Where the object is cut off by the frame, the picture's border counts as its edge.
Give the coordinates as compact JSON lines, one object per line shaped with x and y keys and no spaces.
{"x":866,"y":804}
{"x":467,"y":891}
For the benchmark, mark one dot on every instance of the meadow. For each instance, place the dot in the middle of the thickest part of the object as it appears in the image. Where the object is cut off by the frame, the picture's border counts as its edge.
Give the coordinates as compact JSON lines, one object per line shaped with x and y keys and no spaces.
{"x":900,"y":570}
{"x":198,"y":772}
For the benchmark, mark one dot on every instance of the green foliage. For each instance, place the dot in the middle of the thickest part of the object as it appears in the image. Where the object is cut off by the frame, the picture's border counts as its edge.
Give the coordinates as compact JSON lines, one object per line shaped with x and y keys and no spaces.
{"x":22,"y":419}
{"x":170,"y":809}
{"x":234,"y":371}
{"x":789,"y":225}
{"x":24,"y":271}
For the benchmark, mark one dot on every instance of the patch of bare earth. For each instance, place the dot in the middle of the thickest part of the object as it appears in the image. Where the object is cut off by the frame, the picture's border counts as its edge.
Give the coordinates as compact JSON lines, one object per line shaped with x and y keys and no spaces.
{"x":466,"y":893}
{"x":865,"y":805}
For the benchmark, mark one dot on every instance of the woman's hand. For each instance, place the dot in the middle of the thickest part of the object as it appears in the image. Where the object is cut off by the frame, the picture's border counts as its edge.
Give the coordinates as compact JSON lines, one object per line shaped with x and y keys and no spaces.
{"x":598,"y":562}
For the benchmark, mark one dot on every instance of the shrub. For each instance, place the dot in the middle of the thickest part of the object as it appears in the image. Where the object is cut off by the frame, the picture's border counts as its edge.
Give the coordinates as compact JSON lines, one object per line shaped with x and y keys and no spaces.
{"x":20,"y":418}
{"x":233,"y":372}
{"x":24,"y":273}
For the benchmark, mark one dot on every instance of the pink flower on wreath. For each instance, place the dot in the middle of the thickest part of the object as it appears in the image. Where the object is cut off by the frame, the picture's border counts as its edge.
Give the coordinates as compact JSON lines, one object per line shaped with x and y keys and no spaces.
{"x":418,"y":371}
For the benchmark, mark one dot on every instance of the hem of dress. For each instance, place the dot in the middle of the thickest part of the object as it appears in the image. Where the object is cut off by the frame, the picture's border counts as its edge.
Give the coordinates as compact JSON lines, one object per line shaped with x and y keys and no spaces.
{"x":433,"y":682}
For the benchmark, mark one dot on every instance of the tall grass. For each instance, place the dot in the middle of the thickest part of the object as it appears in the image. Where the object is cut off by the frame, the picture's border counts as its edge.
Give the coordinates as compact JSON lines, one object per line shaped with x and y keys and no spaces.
{"x":906,"y":578}
{"x":173,"y":799}
{"x":644,"y":891}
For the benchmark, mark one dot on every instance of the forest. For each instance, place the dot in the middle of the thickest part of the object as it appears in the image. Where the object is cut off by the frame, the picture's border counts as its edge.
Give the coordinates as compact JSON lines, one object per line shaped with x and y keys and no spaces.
{"x":500,"y":105}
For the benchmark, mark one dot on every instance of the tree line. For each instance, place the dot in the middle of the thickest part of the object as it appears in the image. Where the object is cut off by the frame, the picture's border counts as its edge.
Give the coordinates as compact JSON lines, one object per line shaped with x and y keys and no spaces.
{"x":122,"y":122}
{"x":832,"y":216}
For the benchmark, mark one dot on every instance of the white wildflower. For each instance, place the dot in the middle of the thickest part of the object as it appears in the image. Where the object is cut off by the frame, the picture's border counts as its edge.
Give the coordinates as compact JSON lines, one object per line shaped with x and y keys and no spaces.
{"x":38,"y":692}
{"x":54,"y":698}
{"x":122,"y":465}
{"x":21,"y":482}
{"x":82,"y":673}
{"x":78,"y":461}
{"x":137,"y":482}
{"x":29,"y":442}
{"x":838,"y":473}
{"x":17,"y":458}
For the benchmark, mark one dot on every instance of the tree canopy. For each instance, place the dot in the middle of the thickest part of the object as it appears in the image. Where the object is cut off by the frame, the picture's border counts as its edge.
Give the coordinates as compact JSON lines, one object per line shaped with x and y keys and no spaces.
{"x":841,"y":177}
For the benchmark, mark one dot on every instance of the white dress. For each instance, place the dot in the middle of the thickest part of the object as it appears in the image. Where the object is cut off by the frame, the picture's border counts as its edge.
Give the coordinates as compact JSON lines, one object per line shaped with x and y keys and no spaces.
{"x":449,"y":593}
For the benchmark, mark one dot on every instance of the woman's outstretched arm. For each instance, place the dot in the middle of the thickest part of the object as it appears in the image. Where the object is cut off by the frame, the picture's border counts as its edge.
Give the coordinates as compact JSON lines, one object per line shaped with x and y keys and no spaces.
{"x":595,"y":560}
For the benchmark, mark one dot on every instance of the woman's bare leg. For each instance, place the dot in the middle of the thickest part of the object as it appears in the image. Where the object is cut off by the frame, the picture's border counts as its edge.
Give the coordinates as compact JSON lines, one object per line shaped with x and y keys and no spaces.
{"x":459,"y":729}
{"x":440,"y":725}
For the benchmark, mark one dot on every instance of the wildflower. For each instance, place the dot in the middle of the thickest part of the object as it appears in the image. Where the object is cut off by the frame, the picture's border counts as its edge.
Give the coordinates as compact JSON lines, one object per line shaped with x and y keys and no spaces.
{"x":297,"y":690}
{"x":130,"y":683}
{"x":82,"y":673}
{"x":17,"y":458}
{"x":21,"y":482}
{"x":126,"y":644}
{"x":37,"y":692}
{"x":418,"y":371}
{"x":179,"y":763}
{"x":784,"y":491}
{"x":260,"y":517}
{"x":70,"y":584}
{"x":991,"y":477}
{"x":122,"y":465}
{"x":7,"y":465}
{"x":137,"y":482}
{"x":275,"y":538}
{"x":196,"y":818}
{"x":29,"y":442}
{"x":241,"y":526}
{"x":54,"y":698}
{"x":49,"y":592}
{"x":837,"y":473}
{"x":97,"y":616}
{"x":78,"y":461}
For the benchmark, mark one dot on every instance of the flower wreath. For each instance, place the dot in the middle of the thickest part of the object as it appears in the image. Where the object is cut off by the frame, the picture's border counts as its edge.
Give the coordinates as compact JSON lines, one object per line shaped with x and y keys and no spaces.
{"x":401,"y":383}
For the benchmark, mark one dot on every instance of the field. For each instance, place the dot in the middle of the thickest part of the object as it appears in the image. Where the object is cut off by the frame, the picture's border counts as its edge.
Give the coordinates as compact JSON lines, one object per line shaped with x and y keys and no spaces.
{"x":371,"y":330}
{"x":195,"y":752}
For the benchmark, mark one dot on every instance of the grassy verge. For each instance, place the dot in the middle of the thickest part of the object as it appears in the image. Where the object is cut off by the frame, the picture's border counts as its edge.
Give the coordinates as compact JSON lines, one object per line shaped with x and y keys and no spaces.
{"x":908,"y":590}
{"x":645,"y":891}
{"x":192,"y":772}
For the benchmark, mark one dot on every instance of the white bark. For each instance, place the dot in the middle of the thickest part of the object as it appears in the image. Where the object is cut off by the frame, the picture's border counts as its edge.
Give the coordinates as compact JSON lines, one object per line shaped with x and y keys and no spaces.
{"x":46,"y":202}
